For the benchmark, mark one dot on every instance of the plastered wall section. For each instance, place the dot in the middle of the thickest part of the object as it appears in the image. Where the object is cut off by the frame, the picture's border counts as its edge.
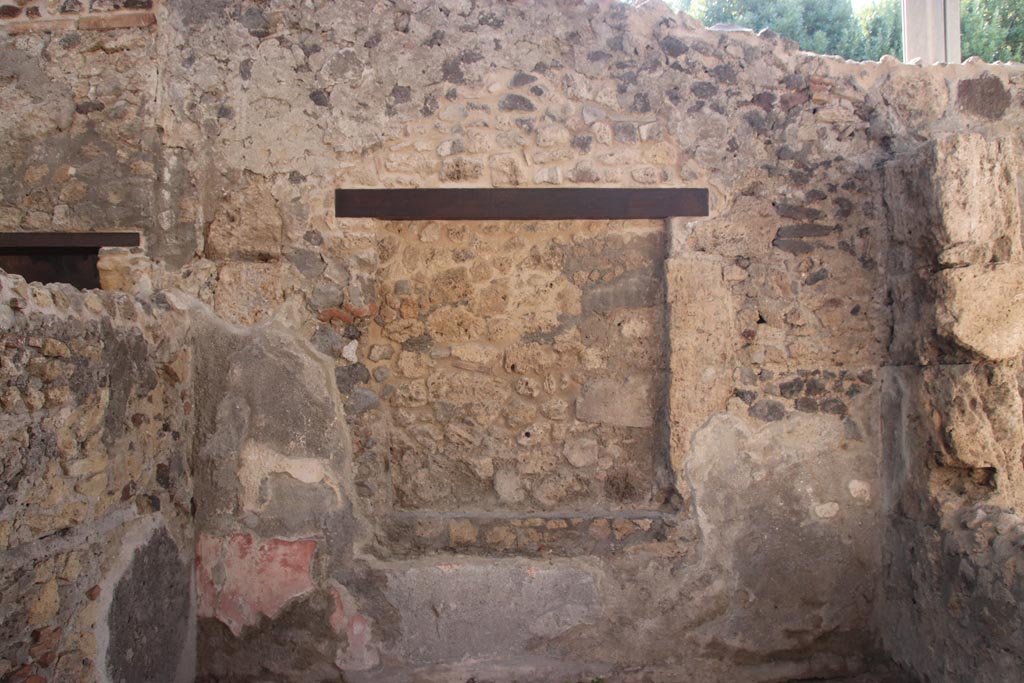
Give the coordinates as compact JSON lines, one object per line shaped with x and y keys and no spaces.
{"x":96,"y":546}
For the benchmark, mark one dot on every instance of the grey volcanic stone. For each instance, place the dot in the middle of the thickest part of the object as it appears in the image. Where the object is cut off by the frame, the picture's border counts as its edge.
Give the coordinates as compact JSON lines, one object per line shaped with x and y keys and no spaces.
{"x":513,"y":102}
{"x":470,"y":610}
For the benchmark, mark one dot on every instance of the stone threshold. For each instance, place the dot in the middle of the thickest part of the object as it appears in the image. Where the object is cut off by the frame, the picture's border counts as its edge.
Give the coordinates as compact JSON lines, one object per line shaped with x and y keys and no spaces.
{"x":409,"y":534}
{"x":529,"y":515}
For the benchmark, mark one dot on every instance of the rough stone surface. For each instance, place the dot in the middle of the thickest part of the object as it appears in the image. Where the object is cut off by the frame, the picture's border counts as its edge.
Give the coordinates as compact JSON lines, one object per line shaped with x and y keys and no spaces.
{"x":942,"y":220}
{"x":952,"y":429}
{"x":695,"y":431}
{"x":985,"y":96}
{"x":703,"y":338}
{"x":512,"y":353}
{"x":982,"y":309}
{"x":628,"y":403}
{"x":979,"y":602}
{"x":96,"y":401}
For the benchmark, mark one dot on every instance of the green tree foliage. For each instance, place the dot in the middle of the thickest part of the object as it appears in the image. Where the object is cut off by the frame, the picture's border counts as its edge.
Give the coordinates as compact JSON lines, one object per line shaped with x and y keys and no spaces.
{"x":991,"y":29}
{"x":826,"y":26}
{"x":881,"y":26}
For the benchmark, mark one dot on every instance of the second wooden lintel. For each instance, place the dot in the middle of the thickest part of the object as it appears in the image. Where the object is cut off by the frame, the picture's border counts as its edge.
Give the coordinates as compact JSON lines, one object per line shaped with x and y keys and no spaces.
{"x":521,"y":203}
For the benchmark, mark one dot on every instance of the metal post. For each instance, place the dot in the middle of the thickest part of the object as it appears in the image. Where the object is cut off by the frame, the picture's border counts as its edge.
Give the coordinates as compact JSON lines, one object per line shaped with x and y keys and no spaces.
{"x":931,"y":31}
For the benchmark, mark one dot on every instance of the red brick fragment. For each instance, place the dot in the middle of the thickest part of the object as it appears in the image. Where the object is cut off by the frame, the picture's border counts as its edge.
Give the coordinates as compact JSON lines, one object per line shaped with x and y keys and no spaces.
{"x":334,"y":313}
{"x":47,"y":637}
{"x":21,"y":673}
{"x":36,"y":651}
{"x":362,"y":311}
{"x":42,"y":26}
{"x":790,"y":100}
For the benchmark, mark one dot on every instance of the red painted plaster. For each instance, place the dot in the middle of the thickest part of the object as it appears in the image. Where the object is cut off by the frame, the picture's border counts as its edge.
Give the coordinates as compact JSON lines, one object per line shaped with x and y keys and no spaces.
{"x":240,"y":577}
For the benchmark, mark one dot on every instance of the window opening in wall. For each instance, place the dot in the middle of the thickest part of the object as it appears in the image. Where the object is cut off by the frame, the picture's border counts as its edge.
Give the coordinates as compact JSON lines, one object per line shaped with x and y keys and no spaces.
{"x":69,"y":257}
{"x":530,"y":375}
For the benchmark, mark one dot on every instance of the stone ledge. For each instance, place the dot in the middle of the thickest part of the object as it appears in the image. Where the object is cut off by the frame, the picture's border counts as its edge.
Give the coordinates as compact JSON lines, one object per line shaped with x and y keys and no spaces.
{"x":107,"y":22}
{"x":39,"y":26}
{"x":448,"y":610}
{"x":411,"y":535}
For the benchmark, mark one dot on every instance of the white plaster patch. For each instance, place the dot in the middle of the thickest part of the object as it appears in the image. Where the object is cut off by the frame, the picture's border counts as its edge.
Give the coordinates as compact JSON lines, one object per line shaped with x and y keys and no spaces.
{"x":259,"y":462}
{"x":860,"y":490}
{"x":826,"y":510}
{"x":637,"y":327}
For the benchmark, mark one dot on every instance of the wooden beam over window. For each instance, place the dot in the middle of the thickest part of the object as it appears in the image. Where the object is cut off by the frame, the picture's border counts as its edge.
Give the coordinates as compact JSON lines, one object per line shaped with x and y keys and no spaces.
{"x":521,"y":204}
{"x":67,"y":240}
{"x":69,"y":257}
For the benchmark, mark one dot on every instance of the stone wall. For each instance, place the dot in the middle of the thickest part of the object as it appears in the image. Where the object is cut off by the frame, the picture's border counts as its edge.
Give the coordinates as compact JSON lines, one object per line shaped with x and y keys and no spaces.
{"x":505,"y":439}
{"x":953,"y":411}
{"x":501,"y":450}
{"x":82,"y":143}
{"x":95,"y":487}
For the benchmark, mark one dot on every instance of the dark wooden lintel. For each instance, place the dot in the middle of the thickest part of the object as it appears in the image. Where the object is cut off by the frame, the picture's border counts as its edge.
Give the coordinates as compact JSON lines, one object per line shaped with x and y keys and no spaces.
{"x":67,"y":240}
{"x":69,"y":257}
{"x":521,"y":203}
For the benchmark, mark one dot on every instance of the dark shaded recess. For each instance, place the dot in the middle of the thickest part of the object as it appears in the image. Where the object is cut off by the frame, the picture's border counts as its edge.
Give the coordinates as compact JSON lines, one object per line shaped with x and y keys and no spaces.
{"x":76,"y":267}
{"x":71,"y":240}
{"x":128,"y":357}
{"x":299,"y":639}
{"x":521,"y":204}
{"x":59,"y":256}
{"x":149,"y":615}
